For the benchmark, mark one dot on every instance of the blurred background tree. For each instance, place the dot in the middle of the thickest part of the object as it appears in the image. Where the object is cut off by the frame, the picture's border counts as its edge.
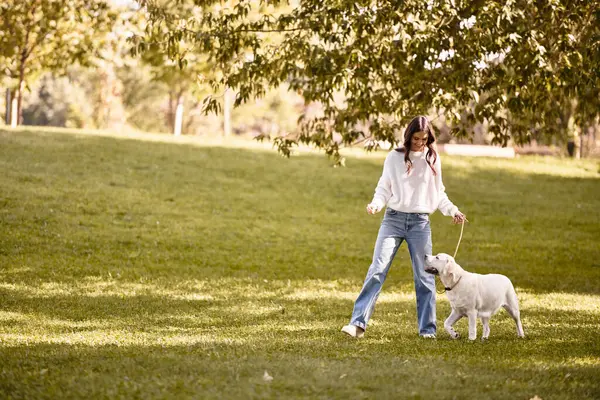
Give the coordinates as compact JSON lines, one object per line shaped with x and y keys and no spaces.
{"x":58,"y":101}
{"x":182,"y":65}
{"x":48,"y":35}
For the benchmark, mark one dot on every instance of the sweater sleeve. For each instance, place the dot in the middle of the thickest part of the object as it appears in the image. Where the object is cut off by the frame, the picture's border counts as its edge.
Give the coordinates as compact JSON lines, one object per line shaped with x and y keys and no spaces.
{"x":445,"y":206}
{"x":383,"y":191}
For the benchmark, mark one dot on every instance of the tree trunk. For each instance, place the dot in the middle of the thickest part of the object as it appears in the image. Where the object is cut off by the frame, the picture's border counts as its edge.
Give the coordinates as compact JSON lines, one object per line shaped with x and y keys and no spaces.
{"x":24,"y":56}
{"x":14,"y":115}
{"x":7,"y":108}
{"x":24,"y":52}
{"x":228,"y":100}
{"x":171,"y":112}
{"x":178,"y":115}
{"x":19,"y":110}
{"x":573,"y":134}
{"x":583,"y":132}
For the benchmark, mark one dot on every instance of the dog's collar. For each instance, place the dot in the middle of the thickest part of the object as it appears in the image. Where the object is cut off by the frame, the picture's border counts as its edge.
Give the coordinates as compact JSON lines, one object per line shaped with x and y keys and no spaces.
{"x":453,"y":286}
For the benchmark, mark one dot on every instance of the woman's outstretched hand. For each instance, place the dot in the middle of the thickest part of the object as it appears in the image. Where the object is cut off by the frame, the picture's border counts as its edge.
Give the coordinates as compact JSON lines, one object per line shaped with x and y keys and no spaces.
{"x":373,"y":208}
{"x":459,"y":218}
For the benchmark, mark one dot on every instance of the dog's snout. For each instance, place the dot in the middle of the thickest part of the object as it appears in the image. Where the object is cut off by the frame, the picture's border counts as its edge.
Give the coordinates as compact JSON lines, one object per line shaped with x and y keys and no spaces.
{"x":433,"y":271}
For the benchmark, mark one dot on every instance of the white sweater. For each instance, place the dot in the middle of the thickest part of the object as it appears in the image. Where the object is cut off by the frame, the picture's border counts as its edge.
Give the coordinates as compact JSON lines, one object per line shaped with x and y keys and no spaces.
{"x":419,"y":191}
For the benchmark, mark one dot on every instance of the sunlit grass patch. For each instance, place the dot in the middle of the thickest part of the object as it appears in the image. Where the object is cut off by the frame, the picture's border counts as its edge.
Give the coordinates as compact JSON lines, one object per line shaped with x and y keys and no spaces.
{"x":561,"y":301}
{"x":529,"y":165}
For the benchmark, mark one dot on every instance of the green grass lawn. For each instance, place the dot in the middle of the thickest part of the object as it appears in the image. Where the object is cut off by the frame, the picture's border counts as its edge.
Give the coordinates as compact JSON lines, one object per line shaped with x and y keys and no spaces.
{"x":138,"y":269}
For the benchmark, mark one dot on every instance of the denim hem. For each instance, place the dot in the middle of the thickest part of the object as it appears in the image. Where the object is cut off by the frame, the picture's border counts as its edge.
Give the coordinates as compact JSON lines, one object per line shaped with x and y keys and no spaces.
{"x":361,"y":325}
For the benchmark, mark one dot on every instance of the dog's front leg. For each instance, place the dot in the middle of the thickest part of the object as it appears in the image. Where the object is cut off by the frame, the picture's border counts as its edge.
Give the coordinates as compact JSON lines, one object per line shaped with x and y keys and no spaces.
{"x":472,"y":324}
{"x":449,"y":323}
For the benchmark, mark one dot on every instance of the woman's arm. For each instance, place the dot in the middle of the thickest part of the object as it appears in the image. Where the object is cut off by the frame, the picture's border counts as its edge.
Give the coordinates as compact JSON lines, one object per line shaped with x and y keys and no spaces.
{"x":383,"y":191}
{"x":445,"y":206}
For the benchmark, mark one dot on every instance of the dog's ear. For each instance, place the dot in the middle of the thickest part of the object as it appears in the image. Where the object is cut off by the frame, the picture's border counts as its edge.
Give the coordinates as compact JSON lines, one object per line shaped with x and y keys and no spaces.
{"x":450,"y":268}
{"x":449,"y":264}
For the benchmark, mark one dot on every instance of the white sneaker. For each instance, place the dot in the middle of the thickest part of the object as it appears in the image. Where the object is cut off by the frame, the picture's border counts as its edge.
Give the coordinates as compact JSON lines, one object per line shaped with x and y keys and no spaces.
{"x":354,"y":331}
{"x":428,"y":336}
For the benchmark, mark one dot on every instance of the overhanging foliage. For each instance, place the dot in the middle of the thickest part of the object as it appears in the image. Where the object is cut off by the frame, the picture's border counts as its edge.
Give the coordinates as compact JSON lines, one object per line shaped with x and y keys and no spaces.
{"x":373,"y":65}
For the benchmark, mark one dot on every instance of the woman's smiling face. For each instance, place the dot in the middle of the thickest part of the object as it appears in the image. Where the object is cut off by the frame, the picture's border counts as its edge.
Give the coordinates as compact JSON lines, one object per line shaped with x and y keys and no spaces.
{"x":418,"y":141}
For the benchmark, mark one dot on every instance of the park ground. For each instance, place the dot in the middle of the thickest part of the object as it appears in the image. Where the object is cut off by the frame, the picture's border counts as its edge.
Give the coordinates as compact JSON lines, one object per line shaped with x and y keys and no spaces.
{"x":132,"y":268}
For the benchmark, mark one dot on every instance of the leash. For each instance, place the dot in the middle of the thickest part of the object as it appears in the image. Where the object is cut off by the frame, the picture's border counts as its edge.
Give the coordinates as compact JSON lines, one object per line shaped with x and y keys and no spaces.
{"x":462,"y":228}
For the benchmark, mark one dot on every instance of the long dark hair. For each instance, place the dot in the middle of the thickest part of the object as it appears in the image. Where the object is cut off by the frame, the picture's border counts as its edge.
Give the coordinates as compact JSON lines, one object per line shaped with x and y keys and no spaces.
{"x":419,"y":124}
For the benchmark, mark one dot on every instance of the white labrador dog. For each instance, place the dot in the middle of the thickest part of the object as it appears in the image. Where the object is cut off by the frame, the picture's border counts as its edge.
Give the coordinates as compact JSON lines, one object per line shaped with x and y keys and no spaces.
{"x":474,"y":295}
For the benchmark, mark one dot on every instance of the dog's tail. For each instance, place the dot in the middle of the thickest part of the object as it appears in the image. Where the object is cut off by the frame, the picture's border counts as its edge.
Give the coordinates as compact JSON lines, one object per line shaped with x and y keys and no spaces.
{"x":512,"y":307}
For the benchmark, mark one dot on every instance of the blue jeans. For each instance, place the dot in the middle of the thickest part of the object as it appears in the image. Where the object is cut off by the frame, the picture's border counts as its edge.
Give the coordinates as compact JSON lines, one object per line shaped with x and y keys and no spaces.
{"x":396,"y":227}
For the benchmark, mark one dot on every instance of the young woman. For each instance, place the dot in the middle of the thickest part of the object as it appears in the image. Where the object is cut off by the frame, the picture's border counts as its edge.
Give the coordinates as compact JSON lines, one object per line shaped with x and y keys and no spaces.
{"x":411,"y":187}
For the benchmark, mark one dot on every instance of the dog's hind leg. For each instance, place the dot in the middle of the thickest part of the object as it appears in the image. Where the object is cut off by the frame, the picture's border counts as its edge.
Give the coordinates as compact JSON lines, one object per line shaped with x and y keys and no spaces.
{"x":472,"y":324}
{"x":520,"y":331}
{"x":485,"y":321}
{"x":512,"y":307}
{"x":450,"y":321}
